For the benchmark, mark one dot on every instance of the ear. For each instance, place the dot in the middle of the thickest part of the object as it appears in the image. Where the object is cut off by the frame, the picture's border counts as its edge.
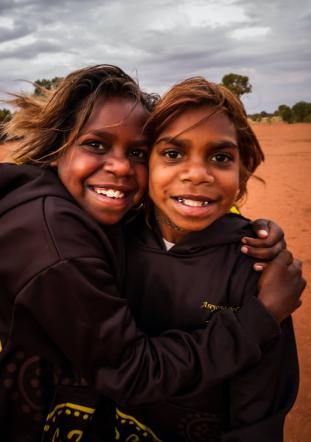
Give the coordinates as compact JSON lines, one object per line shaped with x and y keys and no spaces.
{"x":54,"y":163}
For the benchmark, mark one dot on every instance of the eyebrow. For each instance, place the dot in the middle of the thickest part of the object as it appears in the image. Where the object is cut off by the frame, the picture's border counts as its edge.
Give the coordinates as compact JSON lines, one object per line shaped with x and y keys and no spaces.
{"x":219,"y":144}
{"x":97,"y":133}
{"x":171,"y":140}
{"x":223,"y":144}
{"x":101,"y":133}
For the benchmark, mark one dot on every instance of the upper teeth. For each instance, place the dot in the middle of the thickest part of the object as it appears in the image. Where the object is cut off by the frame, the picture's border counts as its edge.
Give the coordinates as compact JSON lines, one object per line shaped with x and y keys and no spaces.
{"x":110,"y":193}
{"x":192,"y":203}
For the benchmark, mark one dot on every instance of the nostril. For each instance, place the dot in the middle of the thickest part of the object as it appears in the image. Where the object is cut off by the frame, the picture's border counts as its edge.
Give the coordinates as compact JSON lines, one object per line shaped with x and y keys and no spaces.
{"x":118,"y":166}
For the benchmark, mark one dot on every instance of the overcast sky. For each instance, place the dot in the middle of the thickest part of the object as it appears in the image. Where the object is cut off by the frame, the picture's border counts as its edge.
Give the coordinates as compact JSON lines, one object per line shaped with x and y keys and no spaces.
{"x":163,"y":41}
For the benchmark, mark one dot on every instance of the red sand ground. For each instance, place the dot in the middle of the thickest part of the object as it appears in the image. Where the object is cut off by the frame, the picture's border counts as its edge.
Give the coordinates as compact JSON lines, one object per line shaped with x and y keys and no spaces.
{"x":286,"y":198}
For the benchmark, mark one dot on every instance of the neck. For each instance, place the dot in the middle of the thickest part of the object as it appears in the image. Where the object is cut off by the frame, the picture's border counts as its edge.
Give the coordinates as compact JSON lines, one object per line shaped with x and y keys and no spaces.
{"x":169,"y":230}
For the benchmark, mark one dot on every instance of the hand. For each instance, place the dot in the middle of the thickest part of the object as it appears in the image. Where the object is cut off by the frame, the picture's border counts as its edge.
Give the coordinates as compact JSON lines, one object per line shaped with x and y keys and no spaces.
{"x":281,"y":285}
{"x":267,"y":246}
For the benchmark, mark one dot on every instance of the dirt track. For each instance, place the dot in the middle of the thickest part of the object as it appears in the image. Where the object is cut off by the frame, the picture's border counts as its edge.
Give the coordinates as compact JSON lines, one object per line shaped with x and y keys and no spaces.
{"x":286,"y":198}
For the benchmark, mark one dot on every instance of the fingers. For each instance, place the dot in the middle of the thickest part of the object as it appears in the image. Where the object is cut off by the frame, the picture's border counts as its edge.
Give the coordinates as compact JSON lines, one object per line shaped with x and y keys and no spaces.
{"x":261,"y":227}
{"x":259,"y":250}
{"x":296,"y":268}
{"x":259,"y":266}
{"x":265,"y":247}
{"x":265,"y":243}
{"x":268,"y":231}
{"x":296,"y":265}
{"x":285,"y":257}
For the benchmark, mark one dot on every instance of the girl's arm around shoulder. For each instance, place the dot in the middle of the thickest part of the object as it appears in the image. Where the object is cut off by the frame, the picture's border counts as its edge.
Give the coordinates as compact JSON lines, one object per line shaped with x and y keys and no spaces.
{"x":72,"y":312}
{"x":261,"y":396}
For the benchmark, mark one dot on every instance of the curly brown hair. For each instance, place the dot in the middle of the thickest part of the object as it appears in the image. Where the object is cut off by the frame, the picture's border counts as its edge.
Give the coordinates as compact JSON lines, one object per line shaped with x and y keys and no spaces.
{"x":196,"y":92}
{"x":48,"y":124}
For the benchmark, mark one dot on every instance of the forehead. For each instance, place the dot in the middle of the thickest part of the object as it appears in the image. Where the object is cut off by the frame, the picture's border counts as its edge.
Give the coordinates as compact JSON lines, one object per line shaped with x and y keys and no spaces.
{"x":200,"y":120}
{"x":116,"y":112}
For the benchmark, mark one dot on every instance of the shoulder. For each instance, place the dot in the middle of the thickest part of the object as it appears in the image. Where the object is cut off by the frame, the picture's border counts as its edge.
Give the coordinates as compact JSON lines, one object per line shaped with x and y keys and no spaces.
{"x":41,"y":225}
{"x":71,"y":230}
{"x":36,"y":206}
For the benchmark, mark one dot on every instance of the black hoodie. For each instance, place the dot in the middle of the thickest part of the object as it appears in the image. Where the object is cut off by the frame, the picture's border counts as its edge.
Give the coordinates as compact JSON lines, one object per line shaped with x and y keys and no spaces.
{"x":185,"y":287}
{"x":64,"y":328}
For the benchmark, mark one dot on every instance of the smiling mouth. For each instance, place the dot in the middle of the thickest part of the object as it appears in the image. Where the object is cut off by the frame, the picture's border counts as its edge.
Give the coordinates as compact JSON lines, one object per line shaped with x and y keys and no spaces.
{"x":108,"y":192}
{"x":191,"y":202}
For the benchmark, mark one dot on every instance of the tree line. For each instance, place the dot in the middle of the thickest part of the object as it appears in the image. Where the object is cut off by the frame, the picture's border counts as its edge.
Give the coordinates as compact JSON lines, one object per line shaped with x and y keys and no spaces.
{"x":238,"y":84}
{"x":298,"y":113}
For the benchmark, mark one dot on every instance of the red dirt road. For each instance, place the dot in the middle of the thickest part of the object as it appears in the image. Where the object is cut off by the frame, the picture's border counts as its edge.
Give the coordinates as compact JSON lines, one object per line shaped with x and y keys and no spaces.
{"x":286,"y":198}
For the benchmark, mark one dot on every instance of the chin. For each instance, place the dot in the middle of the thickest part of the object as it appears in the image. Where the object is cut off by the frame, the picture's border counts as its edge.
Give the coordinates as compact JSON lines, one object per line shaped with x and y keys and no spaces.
{"x":194,"y":228}
{"x":108,"y":220}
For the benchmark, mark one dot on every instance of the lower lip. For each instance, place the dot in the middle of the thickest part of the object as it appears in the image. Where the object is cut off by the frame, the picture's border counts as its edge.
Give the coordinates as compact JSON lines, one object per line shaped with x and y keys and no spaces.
{"x":195,"y":212}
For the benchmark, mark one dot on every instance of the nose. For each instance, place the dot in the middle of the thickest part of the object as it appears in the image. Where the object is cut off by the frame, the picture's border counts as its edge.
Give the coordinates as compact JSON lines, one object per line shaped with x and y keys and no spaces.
{"x":197,"y":172}
{"x":118,"y":164}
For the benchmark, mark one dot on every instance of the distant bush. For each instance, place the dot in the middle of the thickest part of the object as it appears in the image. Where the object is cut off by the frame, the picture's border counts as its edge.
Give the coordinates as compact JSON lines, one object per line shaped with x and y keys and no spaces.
{"x":259,"y":116}
{"x":286,"y":113}
{"x":298,"y":113}
{"x":307,"y":118}
{"x":41,"y":85}
{"x":301,"y":112}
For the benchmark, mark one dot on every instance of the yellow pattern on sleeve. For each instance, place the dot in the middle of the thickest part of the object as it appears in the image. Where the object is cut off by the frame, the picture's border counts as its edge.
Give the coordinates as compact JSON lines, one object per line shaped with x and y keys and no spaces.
{"x":129,"y":429}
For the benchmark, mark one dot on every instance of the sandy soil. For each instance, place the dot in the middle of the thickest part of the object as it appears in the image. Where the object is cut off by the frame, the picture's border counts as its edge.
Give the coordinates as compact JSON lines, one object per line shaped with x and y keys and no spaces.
{"x":286,"y":198}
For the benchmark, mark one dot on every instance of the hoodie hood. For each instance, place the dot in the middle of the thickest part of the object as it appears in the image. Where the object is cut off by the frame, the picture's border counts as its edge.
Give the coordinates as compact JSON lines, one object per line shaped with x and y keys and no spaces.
{"x":226,"y":230}
{"x":21,"y":184}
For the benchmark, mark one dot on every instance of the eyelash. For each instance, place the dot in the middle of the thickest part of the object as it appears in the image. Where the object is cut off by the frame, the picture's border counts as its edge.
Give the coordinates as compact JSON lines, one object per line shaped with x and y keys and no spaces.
{"x":137,"y":154}
{"x":95,"y":145}
{"x":166,"y":153}
{"x":224,"y":156}
{"x":177,"y":155}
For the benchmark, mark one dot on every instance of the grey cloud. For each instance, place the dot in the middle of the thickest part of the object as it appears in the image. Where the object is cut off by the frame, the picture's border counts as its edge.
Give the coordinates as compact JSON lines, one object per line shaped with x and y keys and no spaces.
{"x":157,"y":39}
{"x":19,"y":30}
{"x":32,"y":50}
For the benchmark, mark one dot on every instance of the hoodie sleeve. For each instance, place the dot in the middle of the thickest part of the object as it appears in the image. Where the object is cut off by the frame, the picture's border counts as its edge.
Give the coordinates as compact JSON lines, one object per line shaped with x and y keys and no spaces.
{"x":72,"y":311}
{"x":261,"y":396}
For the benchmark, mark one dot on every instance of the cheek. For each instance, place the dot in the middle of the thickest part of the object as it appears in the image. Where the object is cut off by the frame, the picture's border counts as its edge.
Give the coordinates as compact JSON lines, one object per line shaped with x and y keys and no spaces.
{"x":234,"y":184}
{"x":155,"y":183}
{"x":228,"y":181}
{"x":70,"y":165}
{"x":81,"y":166}
{"x":159,"y":185}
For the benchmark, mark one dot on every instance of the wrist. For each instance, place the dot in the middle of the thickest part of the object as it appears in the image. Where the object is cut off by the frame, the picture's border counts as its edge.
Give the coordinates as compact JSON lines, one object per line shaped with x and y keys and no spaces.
{"x":269,"y":305}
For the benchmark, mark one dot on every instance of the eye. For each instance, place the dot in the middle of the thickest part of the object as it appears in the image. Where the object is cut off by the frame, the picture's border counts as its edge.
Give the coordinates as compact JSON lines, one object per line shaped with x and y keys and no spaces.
{"x":96,"y":146}
{"x":140,"y":155}
{"x":173,"y":154}
{"x":221,"y":158}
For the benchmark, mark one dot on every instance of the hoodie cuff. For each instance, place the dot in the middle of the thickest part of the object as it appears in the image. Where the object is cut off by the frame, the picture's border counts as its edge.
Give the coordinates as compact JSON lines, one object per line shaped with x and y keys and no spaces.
{"x":258,"y":322}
